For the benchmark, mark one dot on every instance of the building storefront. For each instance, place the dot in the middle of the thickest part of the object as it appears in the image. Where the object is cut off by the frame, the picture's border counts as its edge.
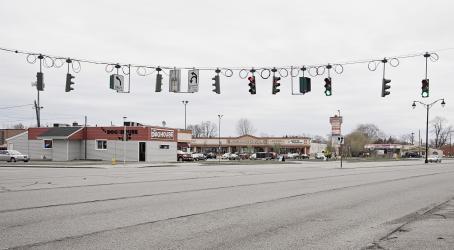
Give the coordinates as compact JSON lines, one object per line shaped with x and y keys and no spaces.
{"x":138,"y":144}
{"x":252,"y":144}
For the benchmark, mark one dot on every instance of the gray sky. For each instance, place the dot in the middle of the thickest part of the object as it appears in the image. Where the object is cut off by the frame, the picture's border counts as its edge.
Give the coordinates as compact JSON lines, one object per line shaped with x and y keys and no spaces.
{"x":229,"y":33}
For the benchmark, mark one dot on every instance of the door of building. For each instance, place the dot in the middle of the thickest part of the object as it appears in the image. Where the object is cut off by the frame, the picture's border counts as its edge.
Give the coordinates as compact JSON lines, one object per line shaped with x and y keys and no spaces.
{"x":142,"y":151}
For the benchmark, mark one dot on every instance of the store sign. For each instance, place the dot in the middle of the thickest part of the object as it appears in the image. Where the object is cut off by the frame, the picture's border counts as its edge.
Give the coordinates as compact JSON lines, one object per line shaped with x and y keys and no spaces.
{"x":162,"y":134}
{"x":248,"y":142}
{"x":336,"y":123}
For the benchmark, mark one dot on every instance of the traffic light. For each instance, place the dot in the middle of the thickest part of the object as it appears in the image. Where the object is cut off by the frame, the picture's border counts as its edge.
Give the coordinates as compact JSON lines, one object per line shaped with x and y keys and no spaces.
{"x":158,"y":83}
{"x":69,"y":82}
{"x":384,"y":87}
{"x":252,"y":87}
{"x":328,"y":89}
{"x":40,"y":81}
{"x":276,"y":84}
{"x":425,"y":88}
{"x":216,"y":84}
{"x":305,"y":85}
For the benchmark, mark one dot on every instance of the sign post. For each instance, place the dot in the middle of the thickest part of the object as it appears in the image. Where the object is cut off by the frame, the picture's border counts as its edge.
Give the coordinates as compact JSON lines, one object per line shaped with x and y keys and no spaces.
{"x":340,"y":140}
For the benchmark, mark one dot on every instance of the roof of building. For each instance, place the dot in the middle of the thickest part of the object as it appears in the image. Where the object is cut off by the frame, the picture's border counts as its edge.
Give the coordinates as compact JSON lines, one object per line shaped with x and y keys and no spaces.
{"x":60,"y":132}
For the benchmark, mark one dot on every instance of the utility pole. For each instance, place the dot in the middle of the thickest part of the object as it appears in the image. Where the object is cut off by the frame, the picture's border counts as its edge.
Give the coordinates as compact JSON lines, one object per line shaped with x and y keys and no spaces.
{"x":185,"y":104}
{"x":85,"y":136}
{"x":124,"y":140}
{"x":219,"y":137}
{"x":419,"y":142}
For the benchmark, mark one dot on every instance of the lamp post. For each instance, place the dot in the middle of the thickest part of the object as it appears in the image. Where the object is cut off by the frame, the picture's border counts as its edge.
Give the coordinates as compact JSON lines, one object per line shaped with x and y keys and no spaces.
{"x":428,"y":106}
{"x":124,"y":140}
{"x":219,"y":136}
{"x":185,"y":103}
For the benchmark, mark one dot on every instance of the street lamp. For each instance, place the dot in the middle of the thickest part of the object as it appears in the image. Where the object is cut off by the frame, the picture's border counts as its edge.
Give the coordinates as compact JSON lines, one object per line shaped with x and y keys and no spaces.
{"x":219,"y":136}
{"x":428,"y":106}
{"x":124,"y":140}
{"x":185,"y":103}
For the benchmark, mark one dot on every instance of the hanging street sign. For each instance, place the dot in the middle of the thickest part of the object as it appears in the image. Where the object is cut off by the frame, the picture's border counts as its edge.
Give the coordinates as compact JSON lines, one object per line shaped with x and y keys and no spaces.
{"x":193,"y":81}
{"x":174,"y":80}
{"x":117,"y":82}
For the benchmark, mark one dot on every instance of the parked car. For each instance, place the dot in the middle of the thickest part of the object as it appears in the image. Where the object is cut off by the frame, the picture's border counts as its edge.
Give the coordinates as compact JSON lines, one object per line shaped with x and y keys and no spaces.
{"x":411,"y":155}
{"x":225,"y":156}
{"x":13,"y":156}
{"x":304,"y":156}
{"x":320,"y":156}
{"x":263,"y":156}
{"x":434,"y":158}
{"x":199,"y":157}
{"x":183,"y":156}
{"x":292,"y":156}
{"x":244,"y":156}
{"x":210,"y":155}
{"x":234,"y":157}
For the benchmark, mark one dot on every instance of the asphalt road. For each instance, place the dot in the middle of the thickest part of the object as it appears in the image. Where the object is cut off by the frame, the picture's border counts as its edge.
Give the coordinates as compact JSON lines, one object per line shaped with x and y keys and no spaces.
{"x":311,"y":205}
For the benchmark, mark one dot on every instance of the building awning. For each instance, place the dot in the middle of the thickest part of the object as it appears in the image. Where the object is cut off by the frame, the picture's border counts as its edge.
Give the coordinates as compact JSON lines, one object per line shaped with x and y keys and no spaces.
{"x":59,"y":133}
{"x":183,"y":144}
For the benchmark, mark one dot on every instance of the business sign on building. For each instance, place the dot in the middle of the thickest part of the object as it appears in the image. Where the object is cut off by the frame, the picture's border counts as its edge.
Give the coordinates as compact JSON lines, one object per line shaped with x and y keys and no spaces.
{"x":336,"y":123}
{"x":162,"y":134}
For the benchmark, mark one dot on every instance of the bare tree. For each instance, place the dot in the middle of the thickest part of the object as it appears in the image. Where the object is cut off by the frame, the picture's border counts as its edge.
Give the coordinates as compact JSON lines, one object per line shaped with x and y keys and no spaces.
{"x":440,"y":131}
{"x":196,"y":130}
{"x":18,"y":126}
{"x":371,"y":131}
{"x":204,"y":129}
{"x":209,"y":129}
{"x":245,"y":127}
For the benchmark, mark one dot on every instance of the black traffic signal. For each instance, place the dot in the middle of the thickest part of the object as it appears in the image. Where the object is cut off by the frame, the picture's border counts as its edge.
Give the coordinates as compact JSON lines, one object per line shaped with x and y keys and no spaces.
{"x":40,"y":81}
{"x":252,"y":87}
{"x":216,"y":84}
{"x":276,"y":84}
{"x":305,"y":85}
{"x":384,"y":87}
{"x":425,"y":88}
{"x":158,"y":83}
{"x":328,"y":87}
{"x":69,"y":82}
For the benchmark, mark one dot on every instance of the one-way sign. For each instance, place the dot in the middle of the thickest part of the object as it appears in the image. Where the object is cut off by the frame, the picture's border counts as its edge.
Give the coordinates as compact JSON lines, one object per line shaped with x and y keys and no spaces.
{"x":193,"y":81}
{"x":340,"y":140}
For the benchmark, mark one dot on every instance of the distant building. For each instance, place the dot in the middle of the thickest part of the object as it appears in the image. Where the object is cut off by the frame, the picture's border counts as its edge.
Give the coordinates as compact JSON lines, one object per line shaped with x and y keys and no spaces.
{"x":398,"y":150}
{"x":251,"y":144}
{"x":7,"y":133}
{"x":66,"y":143}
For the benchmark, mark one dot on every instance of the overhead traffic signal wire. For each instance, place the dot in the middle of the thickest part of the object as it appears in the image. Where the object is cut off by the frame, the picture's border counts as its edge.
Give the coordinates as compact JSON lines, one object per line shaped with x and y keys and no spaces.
{"x":314,"y":70}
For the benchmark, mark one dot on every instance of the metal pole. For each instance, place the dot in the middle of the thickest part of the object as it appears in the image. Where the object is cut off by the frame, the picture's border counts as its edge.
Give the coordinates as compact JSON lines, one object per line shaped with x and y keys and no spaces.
{"x":219,"y":137}
{"x":340,"y":148}
{"x":85,"y":137}
{"x":450,"y":144}
{"x":185,"y":103}
{"x":427,"y":133}
{"x":124,"y":140}
{"x":39,"y":112}
{"x":419,"y":142}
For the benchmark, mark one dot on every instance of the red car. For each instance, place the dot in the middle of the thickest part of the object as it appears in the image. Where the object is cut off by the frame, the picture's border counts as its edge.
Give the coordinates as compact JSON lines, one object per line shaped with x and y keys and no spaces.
{"x":183,"y":156}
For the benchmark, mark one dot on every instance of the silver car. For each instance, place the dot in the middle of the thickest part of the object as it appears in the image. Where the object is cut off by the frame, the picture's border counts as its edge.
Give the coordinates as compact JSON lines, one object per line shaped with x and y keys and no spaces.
{"x":13,"y":156}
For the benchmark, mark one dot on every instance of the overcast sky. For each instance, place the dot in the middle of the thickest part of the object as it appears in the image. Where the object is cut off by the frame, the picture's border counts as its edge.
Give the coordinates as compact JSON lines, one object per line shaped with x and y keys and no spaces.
{"x":229,"y":33}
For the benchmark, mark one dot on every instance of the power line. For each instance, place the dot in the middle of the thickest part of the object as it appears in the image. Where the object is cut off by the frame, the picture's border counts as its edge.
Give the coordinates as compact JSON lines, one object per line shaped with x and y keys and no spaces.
{"x":58,"y":61}
{"x":17,"y":106}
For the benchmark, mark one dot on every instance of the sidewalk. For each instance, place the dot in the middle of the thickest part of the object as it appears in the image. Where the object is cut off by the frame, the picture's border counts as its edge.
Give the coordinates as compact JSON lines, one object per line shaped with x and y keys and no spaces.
{"x":433,"y":229}
{"x":88,"y":164}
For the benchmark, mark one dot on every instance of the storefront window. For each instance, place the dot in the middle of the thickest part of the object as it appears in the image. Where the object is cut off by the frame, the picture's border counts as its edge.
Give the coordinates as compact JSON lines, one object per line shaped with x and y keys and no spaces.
{"x":47,"y":144}
{"x":101,"y":144}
